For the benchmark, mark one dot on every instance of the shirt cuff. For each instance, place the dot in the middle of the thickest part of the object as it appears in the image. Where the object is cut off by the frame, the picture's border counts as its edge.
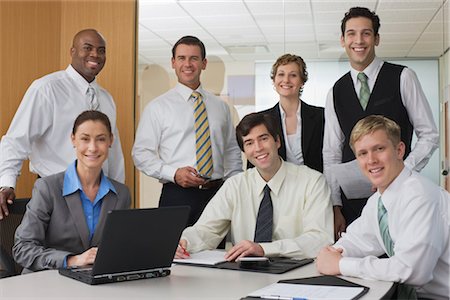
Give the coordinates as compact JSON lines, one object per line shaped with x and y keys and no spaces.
{"x":8,"y":180}
{"x":349,"y":266}
{"x":168,"y":173}
{"x":270,"y":249}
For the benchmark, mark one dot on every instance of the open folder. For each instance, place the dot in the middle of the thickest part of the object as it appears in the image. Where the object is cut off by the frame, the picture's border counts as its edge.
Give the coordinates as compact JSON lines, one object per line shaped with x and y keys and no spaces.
{"x":213,"y":259}
{"x":319,"y":287}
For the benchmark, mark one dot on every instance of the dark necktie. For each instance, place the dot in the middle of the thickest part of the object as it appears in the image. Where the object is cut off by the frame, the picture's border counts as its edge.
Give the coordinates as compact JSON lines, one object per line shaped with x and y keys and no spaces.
{"x":264,"y":220}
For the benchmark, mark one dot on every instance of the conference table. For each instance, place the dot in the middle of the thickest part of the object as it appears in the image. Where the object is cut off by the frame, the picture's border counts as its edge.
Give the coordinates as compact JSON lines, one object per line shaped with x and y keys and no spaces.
{"x":185,"y":283}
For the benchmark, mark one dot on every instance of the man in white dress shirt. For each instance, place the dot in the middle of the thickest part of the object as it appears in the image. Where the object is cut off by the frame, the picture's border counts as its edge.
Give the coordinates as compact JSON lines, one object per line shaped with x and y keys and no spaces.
{"x":407,"y":218}
{"x":165,"y":144}
{"x":40,"y":130}
{"x":301,"y":217}
{"x":372,"y":87}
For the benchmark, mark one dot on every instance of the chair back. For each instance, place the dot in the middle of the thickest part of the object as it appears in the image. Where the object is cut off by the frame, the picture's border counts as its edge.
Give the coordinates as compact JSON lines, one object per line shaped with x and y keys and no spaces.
{"x":8,"y":227}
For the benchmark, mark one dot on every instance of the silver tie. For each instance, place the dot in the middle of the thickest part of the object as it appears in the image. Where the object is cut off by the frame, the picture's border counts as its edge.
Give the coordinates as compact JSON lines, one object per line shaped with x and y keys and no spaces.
{"x":93,"y":101}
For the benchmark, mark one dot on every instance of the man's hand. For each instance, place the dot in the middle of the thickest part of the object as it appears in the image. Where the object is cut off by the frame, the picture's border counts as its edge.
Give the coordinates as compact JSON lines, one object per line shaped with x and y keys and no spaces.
{"x":181,"y":250}
{"x":7,"y":196}
{"x":244,"y":248}
{"x":85,"y":258}
{"x":339,"y":222}
{"x":327,"y":261}
{"x":188,"y":177}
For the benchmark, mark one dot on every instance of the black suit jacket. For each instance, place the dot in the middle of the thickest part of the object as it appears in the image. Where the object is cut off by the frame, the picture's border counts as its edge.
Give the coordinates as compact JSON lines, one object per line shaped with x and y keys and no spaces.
{"x":312,"y":133}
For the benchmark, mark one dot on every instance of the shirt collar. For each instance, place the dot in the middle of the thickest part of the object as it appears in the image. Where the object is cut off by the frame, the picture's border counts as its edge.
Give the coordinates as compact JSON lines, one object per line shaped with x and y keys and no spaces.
{"x":275,"y":183}
{"x":185,"y":91}
{"x":72,"y":182}
{"x":79,"y":80}
{"x":283,"y":113}
{"x":371,"y":70}
{"x":391,"y":193}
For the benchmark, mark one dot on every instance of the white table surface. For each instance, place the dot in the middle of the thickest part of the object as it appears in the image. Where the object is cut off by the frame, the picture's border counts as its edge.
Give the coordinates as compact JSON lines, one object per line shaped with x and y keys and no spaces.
{"x":185,"y":282}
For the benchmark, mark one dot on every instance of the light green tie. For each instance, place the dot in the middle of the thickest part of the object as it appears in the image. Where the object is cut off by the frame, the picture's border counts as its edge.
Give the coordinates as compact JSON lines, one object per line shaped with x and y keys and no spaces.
{"x":404,"y":291}
{"x":364,"y":91}
{"x":202,"y":136}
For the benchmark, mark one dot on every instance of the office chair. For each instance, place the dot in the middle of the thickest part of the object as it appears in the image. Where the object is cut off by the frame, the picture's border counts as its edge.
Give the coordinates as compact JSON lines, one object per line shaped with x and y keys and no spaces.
{"x":8,"y":226}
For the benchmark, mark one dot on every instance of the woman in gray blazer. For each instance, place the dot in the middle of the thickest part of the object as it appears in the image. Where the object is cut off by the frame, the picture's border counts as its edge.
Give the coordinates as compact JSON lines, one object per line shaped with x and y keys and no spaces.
{"x":65,"y":217}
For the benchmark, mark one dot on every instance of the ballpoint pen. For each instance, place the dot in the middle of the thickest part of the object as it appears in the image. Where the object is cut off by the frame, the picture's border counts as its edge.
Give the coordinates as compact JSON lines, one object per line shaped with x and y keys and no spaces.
{"x":184,"y":250}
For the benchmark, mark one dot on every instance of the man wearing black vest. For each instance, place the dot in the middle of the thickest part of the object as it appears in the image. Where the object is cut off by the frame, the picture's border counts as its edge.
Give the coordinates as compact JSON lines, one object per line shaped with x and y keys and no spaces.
{"x":372,"y":87}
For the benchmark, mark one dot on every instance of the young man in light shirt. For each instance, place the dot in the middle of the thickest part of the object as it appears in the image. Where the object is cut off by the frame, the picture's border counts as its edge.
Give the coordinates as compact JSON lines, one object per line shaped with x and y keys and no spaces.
{"x":302,"y":213}
{"x":407,"y":218}
{"x":390,"y":90}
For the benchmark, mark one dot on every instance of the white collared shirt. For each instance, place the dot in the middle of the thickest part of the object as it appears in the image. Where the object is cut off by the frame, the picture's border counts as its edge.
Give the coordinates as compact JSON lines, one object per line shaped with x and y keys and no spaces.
{"x":293,"y":142}
{"x":165,"y":138}
{"x":419,"y":113}
{"x":42,"y":126}
{"x":418,"y":218}
{"x":302,"y":213}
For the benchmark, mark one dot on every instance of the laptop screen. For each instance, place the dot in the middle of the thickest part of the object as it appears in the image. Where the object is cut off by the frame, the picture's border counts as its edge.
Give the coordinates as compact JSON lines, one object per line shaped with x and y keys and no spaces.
{"x":139,"y":239}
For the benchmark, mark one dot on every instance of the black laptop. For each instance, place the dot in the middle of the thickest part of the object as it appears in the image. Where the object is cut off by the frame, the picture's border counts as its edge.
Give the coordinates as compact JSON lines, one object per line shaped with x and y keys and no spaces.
{"x":136,"y":244}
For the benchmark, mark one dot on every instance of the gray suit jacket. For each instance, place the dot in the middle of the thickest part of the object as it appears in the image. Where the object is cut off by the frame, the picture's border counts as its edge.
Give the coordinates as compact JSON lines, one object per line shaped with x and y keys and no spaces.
{"x":55,"y":226}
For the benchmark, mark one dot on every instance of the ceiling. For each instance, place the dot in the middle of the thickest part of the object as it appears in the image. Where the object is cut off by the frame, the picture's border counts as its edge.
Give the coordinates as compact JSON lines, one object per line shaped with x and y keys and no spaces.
{"x":251,"y":30}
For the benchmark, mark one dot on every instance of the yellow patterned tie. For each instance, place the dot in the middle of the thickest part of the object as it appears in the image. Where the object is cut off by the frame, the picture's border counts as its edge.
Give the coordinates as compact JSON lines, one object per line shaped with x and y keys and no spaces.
{"x":202,"y":137}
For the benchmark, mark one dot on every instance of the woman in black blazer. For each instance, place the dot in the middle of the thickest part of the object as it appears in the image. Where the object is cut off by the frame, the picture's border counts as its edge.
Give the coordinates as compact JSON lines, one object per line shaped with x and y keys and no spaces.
{"x":300,"y":125}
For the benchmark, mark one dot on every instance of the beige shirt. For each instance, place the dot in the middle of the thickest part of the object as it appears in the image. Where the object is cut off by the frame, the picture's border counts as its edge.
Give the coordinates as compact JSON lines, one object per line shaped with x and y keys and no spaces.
{"x":302,"y":213}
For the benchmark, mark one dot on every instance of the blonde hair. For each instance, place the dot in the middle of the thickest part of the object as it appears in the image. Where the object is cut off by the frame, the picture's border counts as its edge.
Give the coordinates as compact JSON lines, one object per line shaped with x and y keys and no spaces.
{"x":372,"y":123}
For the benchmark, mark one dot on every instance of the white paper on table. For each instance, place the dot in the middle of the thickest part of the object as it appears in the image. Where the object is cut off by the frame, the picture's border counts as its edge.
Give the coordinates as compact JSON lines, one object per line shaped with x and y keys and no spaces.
{"x":307,"y":291}
{"x":207,"y":257}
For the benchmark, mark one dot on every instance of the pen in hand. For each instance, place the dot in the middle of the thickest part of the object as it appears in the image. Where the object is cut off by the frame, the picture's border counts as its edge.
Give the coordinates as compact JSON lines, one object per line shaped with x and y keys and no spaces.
{"x":185,"y":253}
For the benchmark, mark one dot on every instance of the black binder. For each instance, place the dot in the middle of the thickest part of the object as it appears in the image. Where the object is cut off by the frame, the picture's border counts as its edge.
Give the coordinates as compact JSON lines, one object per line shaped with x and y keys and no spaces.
{"x":321,"y":280}
{"x":276,"y":265}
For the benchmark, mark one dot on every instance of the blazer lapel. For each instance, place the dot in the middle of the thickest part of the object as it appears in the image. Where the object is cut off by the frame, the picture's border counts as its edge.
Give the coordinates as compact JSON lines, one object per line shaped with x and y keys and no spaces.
{"x":109,"y":203}
{"x":76,"y":211}
{"x":308,"y":124}
{"x":276,"y":114}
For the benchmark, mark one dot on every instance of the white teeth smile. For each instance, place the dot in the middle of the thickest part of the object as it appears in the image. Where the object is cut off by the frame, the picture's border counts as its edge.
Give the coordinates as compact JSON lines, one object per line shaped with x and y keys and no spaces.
{"x":93,"y":63}
{"x":375,"y":170}
{"x":261,"y":156}
{"x":358,"y":49}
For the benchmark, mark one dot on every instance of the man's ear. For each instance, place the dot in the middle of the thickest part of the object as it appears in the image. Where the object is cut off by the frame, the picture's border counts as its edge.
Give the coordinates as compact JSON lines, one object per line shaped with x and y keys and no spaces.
{"x":377,"y":39}
{"x":401,"y":147}
{"x":278,"y":142}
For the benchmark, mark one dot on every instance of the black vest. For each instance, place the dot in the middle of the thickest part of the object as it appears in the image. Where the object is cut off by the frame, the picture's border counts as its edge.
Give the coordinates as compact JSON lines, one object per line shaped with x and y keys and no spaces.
{"x":385,"y":99}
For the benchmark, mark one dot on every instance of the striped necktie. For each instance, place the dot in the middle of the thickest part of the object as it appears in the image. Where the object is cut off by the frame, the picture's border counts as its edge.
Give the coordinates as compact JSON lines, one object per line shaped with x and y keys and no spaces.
{"x":264,"y":220}
{"x":93,"y":101}
{"x":202,"y":136}
{"x":404,"y":291}
{"x":364,"y":91}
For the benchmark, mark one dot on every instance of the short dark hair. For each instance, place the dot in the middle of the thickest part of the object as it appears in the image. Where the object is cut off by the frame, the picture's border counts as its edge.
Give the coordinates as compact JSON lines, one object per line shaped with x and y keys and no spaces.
{"x":252,"y":120}
{"x":91,"y":115}
{"x":190,"y":40}
{"x":356,"y":12}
